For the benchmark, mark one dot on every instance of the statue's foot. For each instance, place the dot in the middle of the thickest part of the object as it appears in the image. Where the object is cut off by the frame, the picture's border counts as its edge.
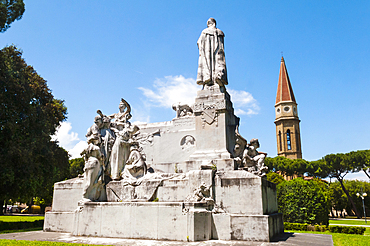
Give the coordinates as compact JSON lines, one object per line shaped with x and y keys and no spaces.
{"x":85,"y":200}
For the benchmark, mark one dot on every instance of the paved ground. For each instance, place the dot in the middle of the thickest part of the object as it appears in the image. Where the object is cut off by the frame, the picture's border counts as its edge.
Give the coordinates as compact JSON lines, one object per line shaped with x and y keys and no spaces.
{"x":302,"y":239}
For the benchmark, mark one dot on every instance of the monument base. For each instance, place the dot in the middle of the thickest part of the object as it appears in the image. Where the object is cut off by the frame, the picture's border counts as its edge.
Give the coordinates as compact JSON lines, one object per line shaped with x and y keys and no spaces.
{"x":59,"y":221}
{"x":241,"y":206}
{"x":163,"y":221}
{"x":144,"y":220}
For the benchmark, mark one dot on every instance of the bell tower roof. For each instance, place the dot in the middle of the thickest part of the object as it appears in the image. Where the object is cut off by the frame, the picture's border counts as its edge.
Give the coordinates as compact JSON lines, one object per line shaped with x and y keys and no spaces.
{"x":284,"y":90}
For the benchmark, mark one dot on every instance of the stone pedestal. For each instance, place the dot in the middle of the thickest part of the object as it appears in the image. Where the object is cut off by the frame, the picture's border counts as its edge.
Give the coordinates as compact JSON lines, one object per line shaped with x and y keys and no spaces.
{"x":245,"y":209}
{"x":144,"y":220}
{"x":215,"y":125}
{"x":66,"y":196}
{"x":241,"y":192}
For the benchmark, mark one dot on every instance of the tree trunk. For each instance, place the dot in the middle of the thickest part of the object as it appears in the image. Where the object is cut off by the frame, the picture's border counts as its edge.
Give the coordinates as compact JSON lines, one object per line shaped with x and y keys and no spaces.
{"x":349,"y":197}
{"x":2,"y":210}
{"x":332,"y":212}
{"x":368,"y":175}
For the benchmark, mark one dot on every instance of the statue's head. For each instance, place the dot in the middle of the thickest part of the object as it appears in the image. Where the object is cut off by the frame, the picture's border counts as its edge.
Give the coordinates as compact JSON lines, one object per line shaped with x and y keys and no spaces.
{"x":122,"y":106}
{"x":134,"y":147}
{"x":254,"y":141}
{"x":211,"y":22}
{"x":98,"y":120}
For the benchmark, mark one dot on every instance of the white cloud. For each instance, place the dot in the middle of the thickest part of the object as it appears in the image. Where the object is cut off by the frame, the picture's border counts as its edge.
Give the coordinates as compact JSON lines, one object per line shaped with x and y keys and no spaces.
{"x":357,"y":176}
{"x":175,"y":89}
{"x":77,"y":149}
{"x":170,"y":90}
{"x":69,"y":140}
{"x":244,"y":103}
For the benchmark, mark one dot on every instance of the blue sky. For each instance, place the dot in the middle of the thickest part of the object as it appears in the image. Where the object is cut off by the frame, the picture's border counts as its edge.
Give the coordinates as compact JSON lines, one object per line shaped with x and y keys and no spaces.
{"x":92,"y":53}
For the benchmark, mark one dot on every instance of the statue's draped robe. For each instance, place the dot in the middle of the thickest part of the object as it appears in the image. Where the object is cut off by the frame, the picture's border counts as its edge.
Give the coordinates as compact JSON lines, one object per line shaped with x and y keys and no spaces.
{"x":212,"y":64}
{"x":121,"y":148}
{"x":92,"y":173}
{"x":108,"y":139}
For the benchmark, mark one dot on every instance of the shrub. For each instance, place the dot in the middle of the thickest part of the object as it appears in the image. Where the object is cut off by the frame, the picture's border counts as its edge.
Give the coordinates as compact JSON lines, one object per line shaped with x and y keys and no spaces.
{"x":348,"y":229}
{"x":335,"y":229}
{"x":295,"y":226}
{"x":20,"y":225}
{"x":303,"y":201}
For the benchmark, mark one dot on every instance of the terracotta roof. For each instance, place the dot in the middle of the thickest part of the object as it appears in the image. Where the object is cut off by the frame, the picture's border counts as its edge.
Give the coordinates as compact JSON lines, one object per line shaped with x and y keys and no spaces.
{"x":284,"y":91}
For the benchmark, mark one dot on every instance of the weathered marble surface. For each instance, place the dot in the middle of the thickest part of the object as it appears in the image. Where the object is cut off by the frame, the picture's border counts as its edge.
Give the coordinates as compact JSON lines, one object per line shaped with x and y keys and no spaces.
{"x":247,"y":211}
{"x":193,"y":178}
{"x":212,"y":64}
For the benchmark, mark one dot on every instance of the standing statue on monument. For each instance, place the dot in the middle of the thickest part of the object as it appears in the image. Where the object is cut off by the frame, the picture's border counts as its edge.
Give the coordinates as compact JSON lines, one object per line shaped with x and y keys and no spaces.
{"x":124,"y":132}
{"x":107,"y":137}
{"x":93,"y":187}
{"x":212,"y":64}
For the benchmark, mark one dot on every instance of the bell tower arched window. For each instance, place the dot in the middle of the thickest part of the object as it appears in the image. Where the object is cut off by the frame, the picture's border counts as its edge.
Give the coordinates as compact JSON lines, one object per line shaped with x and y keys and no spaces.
{"x":288,"y":142}
{"x":280,"y":141}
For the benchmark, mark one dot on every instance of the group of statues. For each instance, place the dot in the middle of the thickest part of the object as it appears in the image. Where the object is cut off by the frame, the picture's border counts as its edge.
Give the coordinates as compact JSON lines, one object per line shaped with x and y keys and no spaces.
{"x":113,"y":152}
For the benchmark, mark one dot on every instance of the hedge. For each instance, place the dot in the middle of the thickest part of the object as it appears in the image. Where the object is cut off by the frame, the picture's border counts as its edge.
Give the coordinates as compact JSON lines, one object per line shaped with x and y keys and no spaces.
{"x":336,"y":229}
{"x":20,"y":225}
{"x":348,"y":229}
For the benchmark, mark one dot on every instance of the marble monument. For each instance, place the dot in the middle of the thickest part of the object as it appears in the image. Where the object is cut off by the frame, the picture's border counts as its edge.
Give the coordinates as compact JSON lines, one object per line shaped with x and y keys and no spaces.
{"x":192,"y":178}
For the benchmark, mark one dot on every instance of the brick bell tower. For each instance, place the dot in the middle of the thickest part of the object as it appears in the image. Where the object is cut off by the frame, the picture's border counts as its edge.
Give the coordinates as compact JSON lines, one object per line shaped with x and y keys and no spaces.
{"x":288,"y":134}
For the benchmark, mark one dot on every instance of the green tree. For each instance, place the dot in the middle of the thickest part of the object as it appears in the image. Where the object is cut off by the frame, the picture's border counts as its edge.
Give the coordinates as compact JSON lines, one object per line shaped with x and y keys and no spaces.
{"x":353,"y":187}
{"x":360,"y":161}
{"x":286,"y":166}
{"x":29,"y":115}
{"x":318,"y":169}
{"x":339,"y":166}
{"x":337,"y":197}
{"x":275,"y":177}
{"x":10,"y":10}
{"x":303,"y":201}
{"x":52,"y":166}
{"x":76,"y":167}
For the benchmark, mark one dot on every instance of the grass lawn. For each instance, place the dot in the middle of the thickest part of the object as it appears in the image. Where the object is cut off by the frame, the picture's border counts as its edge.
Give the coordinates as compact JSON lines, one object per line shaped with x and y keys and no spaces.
{"x":348,"y":222}
{"x":5,"y":242}
{"x":15,"y":218}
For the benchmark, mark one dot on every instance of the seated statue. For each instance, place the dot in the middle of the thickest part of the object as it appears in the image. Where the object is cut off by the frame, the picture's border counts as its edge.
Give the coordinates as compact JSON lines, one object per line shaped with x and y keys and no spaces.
{"x":182,"y":110}
{"x":135,"y":164}
{"x":201,"y":194}
{"x":253,"y":161}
